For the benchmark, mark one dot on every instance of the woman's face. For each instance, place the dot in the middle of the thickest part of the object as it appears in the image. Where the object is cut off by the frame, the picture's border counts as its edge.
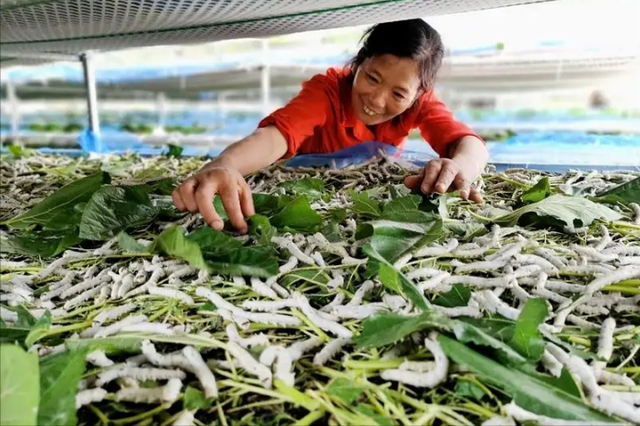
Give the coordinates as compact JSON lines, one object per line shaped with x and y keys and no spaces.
{"x":384,"y":87}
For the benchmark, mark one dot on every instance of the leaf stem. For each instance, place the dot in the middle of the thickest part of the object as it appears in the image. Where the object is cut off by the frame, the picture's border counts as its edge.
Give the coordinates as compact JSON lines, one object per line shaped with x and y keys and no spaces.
{"x":140,"y":417}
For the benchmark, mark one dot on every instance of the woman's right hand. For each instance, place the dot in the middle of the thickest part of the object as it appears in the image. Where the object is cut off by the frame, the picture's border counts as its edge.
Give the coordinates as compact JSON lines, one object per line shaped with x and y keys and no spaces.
{"x":196,"y":194}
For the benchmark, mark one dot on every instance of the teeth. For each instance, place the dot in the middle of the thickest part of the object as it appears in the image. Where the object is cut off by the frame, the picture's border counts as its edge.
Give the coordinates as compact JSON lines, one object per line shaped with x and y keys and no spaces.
{"x":368,"y":111}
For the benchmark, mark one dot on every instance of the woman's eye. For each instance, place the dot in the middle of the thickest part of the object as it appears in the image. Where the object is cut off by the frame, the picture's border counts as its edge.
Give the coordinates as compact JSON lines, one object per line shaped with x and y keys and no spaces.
{"x":399,"y":96}
{"x":372,"y":78}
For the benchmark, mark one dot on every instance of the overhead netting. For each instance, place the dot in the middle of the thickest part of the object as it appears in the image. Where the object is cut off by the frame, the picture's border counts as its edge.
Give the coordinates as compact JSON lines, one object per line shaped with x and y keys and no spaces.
{"x":72,"y":26}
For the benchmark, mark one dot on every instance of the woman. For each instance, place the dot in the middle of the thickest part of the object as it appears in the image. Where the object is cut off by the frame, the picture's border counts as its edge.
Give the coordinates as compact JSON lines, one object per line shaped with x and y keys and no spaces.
{"x":384,"y":93}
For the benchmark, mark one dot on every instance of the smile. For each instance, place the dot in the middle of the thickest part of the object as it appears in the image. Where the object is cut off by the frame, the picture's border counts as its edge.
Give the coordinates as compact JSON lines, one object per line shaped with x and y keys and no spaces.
{"x":369,"y":111}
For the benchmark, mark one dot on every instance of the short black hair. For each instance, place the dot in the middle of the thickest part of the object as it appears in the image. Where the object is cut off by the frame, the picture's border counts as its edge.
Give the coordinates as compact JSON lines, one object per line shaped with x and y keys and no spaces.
{"x":412,"y":38}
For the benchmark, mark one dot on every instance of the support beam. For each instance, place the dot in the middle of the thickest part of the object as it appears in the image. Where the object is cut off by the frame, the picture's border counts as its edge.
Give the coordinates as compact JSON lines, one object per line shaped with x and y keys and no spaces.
{"x":265,"y":78}
{"x":13,"y":108}
{"x":41,"y":55}
{"x":92,"y":97}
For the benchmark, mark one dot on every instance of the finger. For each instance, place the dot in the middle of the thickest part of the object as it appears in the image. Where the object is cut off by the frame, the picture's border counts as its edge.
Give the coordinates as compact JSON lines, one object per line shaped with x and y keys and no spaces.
{"x":187,"y":192}
{"x":231,"y":202}
{"x":177,"y":200}
{"x":246,"y":199}
{"x":431,"y":172}
{"x":445,"y":178}
{"x":475,"y":196}
{"x":413,"y":182}
{"x":463,"y":186}
{"x":204,"y":197}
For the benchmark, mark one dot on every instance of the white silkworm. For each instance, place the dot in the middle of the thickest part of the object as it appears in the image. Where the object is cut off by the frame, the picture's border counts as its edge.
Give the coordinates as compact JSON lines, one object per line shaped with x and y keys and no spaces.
{"x":152,"y":281}
{"x":335,"y":282}
{"x":551,"y":257}
{"x":523,"y":416}
{"x":168,"y":393}
{"x":492,"y":303}
{"x":53,"y":267}
{"x":99,"y":359}
{"x":298,"y":349}
{"x":249,"y":363}
{"x":593,"y":254}
{"x":186,"y":418}
{"x":159,"y":360}
{"x":7,"y":315}
{"x":117,"y":326}
{"x":255,"y":340}
{"x":480,"y":282}
{"x":551,"y":364}
{"x":91,"y":272}
{"x":605,"y":341}
{"x":478,"y":266}
{"x":337,"y":301}
{"x":629,"y":260}
{"x":267,"y":318}
{"x":594,"y":269}
{"x":508,"y":251}
{"x":434,"y":283}
{"x":10,"y":264}
{"x":138,"y":374}
{"x":436,"y":250}
{"x":330,"y":350}
{"x":114,"y":313}
{"x":85,"y":285}
{"x":358,"y":297}
{"x":293,"y":249}
{"x":470,"y":310}
{"x":283,"y":365}
{"x":623,"y":250}
{"x":423,"y":273}
{"x":463,"y":251}
{"x":609,"y":378}
{"x":548,"y":267}
{"x":262,"y":289}
{"x":269,"y":305}
{"x":172,"y":294}
{"x":358,"y":311}
{"x":315,"y":317}
{"x":392,"y":301}
{"x":289,"y":266}
{"x":125,"y":285}
{"x":429,"y":379}
{"x":499,"y":420}
{"x":605,"y":240}
{"x":626,"y":308}
{"x":526,"y":271}
{"x":148,"y":327}
{"x":89,"y":396}
{"x":81,"y":298}
{"x":201,"y":371}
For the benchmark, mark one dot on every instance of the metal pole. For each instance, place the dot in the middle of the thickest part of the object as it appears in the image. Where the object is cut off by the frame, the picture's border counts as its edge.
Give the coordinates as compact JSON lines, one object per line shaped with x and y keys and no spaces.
{"x":265,"y":78}
{"x":161,"y":100}
{"x":92,"y":97}
{"x":13,"y":107}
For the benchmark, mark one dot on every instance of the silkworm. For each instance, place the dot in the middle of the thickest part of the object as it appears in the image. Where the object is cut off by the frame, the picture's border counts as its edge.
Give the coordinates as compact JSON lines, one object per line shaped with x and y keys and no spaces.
{"x":293,"y":249}
{"x":168,"y":393}
{"x":330,"y":350}
{"x":423,"y":273}
{"x":298,"y":349}
{"x":171,"y":293}
{"x":117,"y":326}
{"x":114,"y":313}
{"x":357,"y":311}
{"x":85,"y":285}
{"x":636,"y":211}
{"x":148,"y":327}
{"x":478,"y":266}
{"x":159,"y":360}
{"x":358,"y":297}
{"x":594,"y":254}
{"x":138,"y":374}
{"x":186,"y":418}
{"x":99,"y":359}
{"x":429,"y":379}
{"x":436,"y":250}
{"x":249,"y":363}
{"x":262,"y":289}
{"x":89,"y":396}
{"x":315,"y":317}
{"x":269,"y":306}
{"x":201,"y":371}
{"x":255,"y":340}
{"x":550,"y":256}
{"x":337,"y":301}
{"x":283,"y":365}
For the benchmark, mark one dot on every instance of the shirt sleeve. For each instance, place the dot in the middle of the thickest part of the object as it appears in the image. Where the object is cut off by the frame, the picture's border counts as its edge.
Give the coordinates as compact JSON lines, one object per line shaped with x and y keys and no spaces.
{"x":439,"y":127}
{"x":309,"y":109}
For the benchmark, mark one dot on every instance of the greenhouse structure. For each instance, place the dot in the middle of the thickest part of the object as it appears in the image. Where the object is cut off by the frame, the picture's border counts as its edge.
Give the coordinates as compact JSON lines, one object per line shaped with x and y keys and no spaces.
{"x":348,"y":295}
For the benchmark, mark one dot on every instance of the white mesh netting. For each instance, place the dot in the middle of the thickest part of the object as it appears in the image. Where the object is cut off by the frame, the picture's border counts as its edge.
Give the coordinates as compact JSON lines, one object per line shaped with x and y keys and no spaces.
{"x":73,"y":26}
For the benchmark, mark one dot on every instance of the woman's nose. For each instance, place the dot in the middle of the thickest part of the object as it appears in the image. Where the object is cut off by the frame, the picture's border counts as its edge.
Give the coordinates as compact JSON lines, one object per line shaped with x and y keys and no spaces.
{"x":377,"y":99}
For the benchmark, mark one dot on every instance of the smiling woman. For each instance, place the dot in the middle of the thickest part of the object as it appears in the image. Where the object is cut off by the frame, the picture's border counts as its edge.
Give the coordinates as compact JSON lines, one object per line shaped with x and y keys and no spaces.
{"x":385,"y":92}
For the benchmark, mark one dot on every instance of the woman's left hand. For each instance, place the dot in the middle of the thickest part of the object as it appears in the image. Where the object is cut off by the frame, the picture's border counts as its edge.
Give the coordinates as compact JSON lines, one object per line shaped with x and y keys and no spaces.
{"x":446,"y":175}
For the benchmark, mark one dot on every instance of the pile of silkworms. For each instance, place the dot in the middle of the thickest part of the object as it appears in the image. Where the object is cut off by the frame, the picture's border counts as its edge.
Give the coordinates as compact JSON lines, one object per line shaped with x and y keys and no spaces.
{"x":237,"y":337}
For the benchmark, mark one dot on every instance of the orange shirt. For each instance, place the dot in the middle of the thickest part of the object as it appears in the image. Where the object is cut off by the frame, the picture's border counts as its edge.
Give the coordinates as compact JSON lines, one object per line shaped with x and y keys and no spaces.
{"x":320,"y":119}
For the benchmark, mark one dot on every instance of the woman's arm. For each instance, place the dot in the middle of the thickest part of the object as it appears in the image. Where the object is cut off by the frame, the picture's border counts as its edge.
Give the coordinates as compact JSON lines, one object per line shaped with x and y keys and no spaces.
{"x":262,"y":148}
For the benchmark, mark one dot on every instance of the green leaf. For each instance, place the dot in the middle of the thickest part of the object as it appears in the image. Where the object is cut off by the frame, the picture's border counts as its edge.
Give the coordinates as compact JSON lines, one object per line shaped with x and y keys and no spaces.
{"x":260,"y":227}
{"x":19,"y":387}
{"x":459,"y":295}
{"x":527,"y":339}
{"x":59,"y":378}
{"x":345,"y":390}
{"x":385,"y":329}
{"x":297,"y":215}
{"x":212,"y":242}
{"x":61,"y":202}
{"x":464,"y":230}
{"x":42,"y":244}
{"x":538,"y":192}
{"x":379,"y":419}
{"x":194,"y":399}
{"x":311,"y":187}
{"x":128,"y":244}
{"x":528,"y":392}
{"x":402,"y":204}
{"x":628,"y":192}
{"x":250,"y":261}
{"x":173,"y":242}
{"x":364,"y":205}
{"x":398,"y":233}
{"x":174,"y":151}
{"x":25,"y":318}
{"x":469,"y":333}
{"x":395,"y":280}
{"x":112,"y":209}
{"x":470,"y":390}
{"x":572,"y":211}
{"x":110,"y":345}
{"x":39,"y":329}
